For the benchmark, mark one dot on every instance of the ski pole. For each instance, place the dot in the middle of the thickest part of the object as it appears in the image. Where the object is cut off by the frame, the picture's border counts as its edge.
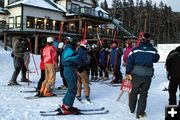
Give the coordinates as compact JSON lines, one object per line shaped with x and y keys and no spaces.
{"x":120,"y":94}
{"x":139,"y":39}
{"x":60,"y":31}
{"x":33,"y":58}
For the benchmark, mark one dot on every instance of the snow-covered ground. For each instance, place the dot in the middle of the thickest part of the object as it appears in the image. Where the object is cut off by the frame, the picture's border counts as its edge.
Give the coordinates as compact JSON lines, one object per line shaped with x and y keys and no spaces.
{"x":13,"y":106}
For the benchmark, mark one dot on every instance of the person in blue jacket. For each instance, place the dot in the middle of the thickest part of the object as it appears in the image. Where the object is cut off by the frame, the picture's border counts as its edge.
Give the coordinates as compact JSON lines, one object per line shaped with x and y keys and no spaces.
{"x":70,"y":61}
{"x":115,"y":62}
{"x":140,"y":69}
{"x":103,"y":58}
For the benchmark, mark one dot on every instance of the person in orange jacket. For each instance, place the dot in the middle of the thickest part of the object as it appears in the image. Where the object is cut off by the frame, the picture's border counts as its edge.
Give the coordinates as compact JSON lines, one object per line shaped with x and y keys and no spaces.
{"x":50,"y":62}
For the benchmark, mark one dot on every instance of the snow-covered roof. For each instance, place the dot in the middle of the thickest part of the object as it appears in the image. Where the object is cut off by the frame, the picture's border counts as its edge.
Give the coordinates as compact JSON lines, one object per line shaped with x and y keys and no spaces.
{"x":41,"y":4}
{"x":59,"y":6}
{"x":3,"y":11}
{"x":100,"y":9}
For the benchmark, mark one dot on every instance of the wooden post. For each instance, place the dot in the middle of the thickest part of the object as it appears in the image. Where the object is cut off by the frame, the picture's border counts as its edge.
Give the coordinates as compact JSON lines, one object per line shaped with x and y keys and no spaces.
{"x":80,"y":26}
{"x":10,"y":41}
{"x":5,"y":41}
{"x":36,"y":45}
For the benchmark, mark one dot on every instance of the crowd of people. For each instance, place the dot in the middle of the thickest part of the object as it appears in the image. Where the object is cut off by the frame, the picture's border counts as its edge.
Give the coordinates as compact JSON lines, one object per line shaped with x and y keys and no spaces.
{"x":80,"y":63}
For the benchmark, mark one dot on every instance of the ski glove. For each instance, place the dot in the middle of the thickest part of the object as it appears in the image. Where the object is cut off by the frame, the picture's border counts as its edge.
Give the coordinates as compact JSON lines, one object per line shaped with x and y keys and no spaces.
{"x":128,"y":77}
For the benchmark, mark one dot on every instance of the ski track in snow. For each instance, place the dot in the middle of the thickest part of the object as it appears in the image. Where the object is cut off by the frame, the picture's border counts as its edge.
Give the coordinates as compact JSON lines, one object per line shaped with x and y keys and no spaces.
{"x":13,"y":106}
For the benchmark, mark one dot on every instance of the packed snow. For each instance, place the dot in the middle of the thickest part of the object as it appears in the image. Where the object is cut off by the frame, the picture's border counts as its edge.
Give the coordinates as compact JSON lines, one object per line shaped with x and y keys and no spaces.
{"x":38,"y":3}
{"x":13,"y":106}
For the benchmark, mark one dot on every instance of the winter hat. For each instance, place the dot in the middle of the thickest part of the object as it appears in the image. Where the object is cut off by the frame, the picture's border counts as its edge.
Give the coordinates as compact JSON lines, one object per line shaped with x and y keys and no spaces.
{"x":50,"y":40}
{"x":83,"y":43}
{"x":61,"y":45}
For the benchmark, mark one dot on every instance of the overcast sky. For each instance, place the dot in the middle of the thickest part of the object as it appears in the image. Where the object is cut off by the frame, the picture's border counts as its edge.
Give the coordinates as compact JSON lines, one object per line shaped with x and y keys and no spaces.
{"x":175,"y":4}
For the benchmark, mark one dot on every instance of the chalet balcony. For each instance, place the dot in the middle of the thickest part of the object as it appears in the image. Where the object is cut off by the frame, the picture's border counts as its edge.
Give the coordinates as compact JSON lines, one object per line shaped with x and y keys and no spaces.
{"x":90,"y":12}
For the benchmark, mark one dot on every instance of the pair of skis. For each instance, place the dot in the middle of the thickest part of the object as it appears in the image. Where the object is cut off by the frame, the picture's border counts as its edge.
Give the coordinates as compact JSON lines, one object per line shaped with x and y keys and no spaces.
{"x":58,"y":112}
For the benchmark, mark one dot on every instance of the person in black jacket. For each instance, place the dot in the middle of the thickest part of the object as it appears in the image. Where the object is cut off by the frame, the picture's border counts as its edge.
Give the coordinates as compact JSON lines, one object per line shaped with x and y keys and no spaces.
{"x":94,"y":62}
{"x":173,"y":67}
{"x":140,"y":67}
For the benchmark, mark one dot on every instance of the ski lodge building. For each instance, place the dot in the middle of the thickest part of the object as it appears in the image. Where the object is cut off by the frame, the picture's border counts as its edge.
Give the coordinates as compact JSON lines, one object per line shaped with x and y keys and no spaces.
{"x":38,"y":19}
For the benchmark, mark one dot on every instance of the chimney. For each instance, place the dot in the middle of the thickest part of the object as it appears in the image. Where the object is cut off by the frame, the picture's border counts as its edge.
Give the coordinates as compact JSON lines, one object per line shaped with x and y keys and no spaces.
{"x":5,"y":3}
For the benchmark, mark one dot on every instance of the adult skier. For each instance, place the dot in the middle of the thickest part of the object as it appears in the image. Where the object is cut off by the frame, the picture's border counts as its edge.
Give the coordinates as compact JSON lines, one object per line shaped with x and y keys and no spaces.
{"x":20,"y":47}
{"x":70,"y":61}
{"x":115,"y":61}
{"x":59,"y":52}
{"x":42,"y":67}
{"x":140,"y":67}
{"x":83,"y":71}
{"x":173,"y":67}
{"x":50,"y":62}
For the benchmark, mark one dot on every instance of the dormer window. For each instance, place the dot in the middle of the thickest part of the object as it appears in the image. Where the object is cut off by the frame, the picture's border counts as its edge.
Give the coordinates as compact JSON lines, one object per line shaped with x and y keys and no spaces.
{"x":12,"y":1}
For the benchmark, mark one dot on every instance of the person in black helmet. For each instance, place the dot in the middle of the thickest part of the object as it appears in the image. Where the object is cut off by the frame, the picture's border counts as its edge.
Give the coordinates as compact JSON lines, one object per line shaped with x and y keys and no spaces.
{"x":70,"y":61}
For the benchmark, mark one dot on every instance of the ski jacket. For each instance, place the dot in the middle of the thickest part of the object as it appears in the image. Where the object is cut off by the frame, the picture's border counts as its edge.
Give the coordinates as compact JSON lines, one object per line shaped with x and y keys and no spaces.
{"x":141,"y":59}
{"x":59,"y":52}
{"x":70,"y":57}
{"x":19,"y":48}
{"x":126,"y":53}
{"x":94,"y":57}
{"x":173,"y":63}
{"x":50,"y":55}
{"x":42,"y":67}
{"x":84,"y":59}
{"x":103,"y":57}
{"x":115,"y":56}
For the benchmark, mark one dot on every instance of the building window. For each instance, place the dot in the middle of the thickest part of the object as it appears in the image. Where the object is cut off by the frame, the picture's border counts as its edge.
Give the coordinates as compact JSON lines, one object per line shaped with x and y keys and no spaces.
{"x":75,"y":8}
{"x":30,"y":22}
{"x":18,"y":21}
{"x":88,"y":10}
{"x":49,"y":24}
{"x":40,"y":23}
{"x":57,"y":25}
{"x":11,"y":22}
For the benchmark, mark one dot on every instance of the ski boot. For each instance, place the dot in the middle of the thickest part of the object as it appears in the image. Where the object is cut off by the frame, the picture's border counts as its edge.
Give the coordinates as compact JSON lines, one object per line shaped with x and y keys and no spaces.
{"x":141,"y":116}
{"x":69,"y":110}
{"x":88,"y":98}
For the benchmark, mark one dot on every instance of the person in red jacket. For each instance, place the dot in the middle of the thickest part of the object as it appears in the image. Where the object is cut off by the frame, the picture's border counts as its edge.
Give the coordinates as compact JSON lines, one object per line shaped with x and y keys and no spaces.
{"x":128,"y":49}
{"x":50,"y":62}
{"x":42,"y":67}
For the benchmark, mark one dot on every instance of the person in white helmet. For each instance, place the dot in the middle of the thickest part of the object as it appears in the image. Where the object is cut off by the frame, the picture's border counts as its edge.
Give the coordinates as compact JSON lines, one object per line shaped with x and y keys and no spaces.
{"x":61,"y":67}
{"x":50,"y":62}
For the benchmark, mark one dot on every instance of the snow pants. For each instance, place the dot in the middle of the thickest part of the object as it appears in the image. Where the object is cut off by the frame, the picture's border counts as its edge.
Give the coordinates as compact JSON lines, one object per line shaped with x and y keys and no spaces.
{"x":83,"y":79}
{"x":173,"y":86}
{"x":62,"y":76}
{"x":117,"y":74}
{"x":41,"y":80}
{"x":18,"y":66}
{"x":103,"y":70}
{"x":141,"y":85}
{"x":70,"y":75}
{"x":94,"y":70}
{"x":50,"y":76}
